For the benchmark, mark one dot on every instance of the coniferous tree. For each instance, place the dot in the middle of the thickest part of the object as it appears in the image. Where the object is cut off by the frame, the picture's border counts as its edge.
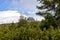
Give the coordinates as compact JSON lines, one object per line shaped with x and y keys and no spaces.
{"x":50,"y":5}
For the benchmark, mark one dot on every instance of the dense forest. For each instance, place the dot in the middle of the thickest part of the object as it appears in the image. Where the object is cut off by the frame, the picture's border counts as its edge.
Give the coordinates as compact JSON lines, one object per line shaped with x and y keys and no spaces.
{"x":48,"y":29}
{"x":25,"y":30}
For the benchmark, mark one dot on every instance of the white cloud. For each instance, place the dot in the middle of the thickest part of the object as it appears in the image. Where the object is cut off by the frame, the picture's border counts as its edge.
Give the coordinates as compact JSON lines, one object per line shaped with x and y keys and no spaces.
{"x":9,"y":16}
{"x":9,"y":19}
{"x":28,"y":4}
{"x":13,"y":16}
{"x":9,"y":13}
{"x":36,"y":17}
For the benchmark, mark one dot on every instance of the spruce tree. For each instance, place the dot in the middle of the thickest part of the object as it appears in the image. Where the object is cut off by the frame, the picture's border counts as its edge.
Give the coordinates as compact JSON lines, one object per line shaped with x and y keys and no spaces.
{"x":50,"y":5}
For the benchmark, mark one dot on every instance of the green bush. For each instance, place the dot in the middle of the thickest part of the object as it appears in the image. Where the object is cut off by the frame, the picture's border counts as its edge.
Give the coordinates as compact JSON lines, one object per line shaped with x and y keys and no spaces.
{"x":28,"y":31}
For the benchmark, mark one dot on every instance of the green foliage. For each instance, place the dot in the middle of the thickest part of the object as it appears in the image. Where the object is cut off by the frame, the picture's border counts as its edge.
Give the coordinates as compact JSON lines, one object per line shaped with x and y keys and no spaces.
{"x":28,"y":31}
{"x":50,"y":19}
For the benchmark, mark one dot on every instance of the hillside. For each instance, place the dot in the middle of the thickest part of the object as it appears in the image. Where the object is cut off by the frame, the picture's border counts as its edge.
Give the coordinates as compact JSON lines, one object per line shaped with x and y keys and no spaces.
{"x":28,"y":31}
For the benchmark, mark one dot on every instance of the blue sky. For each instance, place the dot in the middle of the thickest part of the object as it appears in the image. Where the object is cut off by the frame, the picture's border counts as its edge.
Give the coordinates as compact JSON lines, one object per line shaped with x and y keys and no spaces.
{"x":23,"y":6}
{"x":10,"y":8}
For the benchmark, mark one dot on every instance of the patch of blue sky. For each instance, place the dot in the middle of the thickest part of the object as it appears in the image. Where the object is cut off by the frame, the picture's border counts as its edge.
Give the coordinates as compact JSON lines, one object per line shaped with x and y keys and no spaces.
{"x":10,"y":5}
{"x":4,"y":4}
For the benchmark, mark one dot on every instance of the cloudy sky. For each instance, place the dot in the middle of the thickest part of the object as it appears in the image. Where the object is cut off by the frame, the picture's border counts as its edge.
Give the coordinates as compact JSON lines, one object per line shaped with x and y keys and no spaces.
{"x":9,"y":8}
{"x":18,"y":5}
